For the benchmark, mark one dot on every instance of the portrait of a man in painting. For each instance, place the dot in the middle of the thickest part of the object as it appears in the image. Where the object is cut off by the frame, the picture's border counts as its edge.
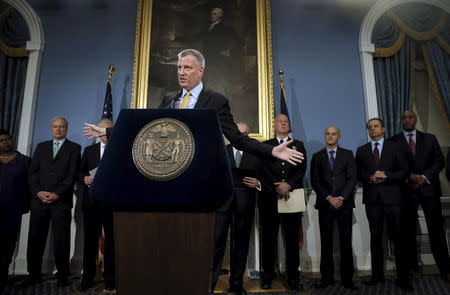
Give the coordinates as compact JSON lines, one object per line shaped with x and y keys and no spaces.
{"x":225,"y":32}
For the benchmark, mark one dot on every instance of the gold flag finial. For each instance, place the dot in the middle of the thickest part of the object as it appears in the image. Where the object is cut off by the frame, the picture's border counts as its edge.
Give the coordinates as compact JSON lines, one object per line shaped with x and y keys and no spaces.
{"x":280,"y":73}
{"x":111,"y":71}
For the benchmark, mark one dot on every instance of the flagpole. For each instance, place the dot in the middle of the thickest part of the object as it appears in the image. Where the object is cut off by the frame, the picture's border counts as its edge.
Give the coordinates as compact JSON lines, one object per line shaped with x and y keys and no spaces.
{"x":280,"y":74}
{"x":107,"y":104}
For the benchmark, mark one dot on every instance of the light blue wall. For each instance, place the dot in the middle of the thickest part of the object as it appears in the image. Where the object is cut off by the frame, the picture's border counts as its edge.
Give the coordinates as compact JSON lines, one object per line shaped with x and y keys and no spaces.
{"x":81,"y":39}
{"x":315,"y":42}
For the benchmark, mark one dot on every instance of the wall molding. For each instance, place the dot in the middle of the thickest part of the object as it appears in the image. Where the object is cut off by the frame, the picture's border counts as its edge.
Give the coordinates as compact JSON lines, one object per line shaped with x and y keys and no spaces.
{"x":367,"y":48}
{"x":35,"y":46}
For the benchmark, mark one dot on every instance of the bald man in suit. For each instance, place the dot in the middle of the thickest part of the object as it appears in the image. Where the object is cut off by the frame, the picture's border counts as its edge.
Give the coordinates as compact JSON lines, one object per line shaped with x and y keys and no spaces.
{"x":333,"y":178}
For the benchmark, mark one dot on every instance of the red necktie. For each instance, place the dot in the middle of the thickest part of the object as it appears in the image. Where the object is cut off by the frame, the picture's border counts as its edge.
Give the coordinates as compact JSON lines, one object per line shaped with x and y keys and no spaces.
{"x":412,"y":143}
{"x":376,"y":153}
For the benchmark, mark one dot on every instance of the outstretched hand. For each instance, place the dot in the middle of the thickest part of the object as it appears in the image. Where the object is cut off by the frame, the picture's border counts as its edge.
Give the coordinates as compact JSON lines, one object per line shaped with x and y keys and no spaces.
{"x":92,"y":131}
{"x":283,"y":152}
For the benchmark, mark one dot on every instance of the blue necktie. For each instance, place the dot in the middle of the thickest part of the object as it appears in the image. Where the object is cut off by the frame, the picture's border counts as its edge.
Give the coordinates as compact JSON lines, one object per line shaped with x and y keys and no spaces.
{"x":332,"y":159}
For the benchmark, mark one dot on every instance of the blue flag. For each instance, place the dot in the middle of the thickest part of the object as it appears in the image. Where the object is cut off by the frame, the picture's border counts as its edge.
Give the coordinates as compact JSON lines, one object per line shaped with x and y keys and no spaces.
{"x":107,"y":105}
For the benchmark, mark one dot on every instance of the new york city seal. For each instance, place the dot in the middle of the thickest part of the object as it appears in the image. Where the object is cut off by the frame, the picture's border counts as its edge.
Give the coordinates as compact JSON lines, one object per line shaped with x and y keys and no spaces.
{"x":163,"y":149}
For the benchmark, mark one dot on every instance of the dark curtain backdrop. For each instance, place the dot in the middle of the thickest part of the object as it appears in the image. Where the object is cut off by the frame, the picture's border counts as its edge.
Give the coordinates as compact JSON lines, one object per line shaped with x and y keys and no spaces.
{"x":440,"y":61}
{"x":13,"y":34}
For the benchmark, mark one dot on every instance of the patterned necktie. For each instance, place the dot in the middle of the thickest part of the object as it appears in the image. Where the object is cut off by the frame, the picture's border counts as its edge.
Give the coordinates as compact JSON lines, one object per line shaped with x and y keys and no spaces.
{"x":412,"y":143}
{"x":332,"y":159}
{"x":376,"y":153}
{"x":185,"y":101}
{"x":55,"y":148}
{"x":237,"y":158}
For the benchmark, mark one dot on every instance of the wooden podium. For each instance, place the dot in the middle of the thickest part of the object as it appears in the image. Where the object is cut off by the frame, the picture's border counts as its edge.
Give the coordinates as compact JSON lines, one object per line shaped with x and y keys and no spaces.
{"x":164,"y":230}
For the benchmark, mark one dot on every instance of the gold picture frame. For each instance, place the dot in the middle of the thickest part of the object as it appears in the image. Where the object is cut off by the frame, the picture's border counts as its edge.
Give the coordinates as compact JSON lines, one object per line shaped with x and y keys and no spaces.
{"x":263,"y":73}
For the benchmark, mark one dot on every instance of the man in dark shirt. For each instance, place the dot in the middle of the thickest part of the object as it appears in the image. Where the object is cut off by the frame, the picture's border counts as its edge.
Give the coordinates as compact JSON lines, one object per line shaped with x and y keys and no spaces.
{"x":14,"y":200}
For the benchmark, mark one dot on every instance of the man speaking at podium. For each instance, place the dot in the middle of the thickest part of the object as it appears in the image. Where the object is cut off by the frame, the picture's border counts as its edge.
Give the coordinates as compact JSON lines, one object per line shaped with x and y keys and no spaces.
{"x":191,"y":67}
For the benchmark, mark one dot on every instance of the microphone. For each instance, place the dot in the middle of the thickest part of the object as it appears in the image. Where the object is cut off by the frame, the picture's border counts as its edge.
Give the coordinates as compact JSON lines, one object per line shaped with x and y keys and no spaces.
{"x":174,"y":101}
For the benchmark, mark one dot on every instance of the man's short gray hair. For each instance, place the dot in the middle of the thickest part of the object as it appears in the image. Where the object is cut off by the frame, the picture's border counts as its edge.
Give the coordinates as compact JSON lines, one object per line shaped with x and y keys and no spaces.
{"x":195,"y":53}
{"x":60,"y":118}
{"x":105,"y":121}
{"x":220,"y":10}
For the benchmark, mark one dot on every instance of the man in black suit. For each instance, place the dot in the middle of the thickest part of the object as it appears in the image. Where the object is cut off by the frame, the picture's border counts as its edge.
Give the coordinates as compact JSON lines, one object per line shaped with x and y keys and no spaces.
{"x":95,"y":217}
{"x":424,"y":188}
{"x":52,"y":175}
{"x":382,"y":168}
{"x":191,"y":67}
{"x":333,"y":178}
{"x":279,"y":179}
{"x":238,"y":211}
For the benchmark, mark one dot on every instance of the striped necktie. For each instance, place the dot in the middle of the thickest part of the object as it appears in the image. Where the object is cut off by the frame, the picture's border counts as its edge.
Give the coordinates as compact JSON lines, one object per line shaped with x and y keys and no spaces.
{"x":55,"y":148}
{"x":237,"y":158}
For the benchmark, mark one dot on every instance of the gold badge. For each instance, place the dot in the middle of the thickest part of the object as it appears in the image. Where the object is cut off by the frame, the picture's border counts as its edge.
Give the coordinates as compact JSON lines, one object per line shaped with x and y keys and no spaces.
{"x":163,"y":149}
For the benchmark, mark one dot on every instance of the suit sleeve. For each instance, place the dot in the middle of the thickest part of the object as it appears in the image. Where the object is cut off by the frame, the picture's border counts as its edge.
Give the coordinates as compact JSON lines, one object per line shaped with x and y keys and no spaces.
{"x":237,"y":139}
{"x":438,"y":162}
{"x":26,"y":191}
{"x":33,"y":173}
{"x":70,"y":178}
{"x":109,"y":132}
{"x":350,"y":177}
{"x":401,"y":169}
{"x":298,"y":172}
{"x":447,"y":169}
{"x":362,"y":173}
{"x":84,"y":169}
{"x":316,"y":176}
{"x":166,"y":102}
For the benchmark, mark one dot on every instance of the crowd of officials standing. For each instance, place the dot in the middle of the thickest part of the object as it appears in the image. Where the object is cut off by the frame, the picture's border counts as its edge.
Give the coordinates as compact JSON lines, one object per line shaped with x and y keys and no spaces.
{"x":397,"y":174}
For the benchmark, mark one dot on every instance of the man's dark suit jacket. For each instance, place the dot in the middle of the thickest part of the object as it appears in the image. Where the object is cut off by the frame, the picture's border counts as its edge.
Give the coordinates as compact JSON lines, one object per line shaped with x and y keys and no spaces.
{"x":447,"y":168}
{"x":248,"y":162}
{"x":89,"y":161}
{"x":428,"y":161}
{"x":393,"y":162}
{"x":57,"y":174}
{"x":340,"y":181}
{"x":273,"y":169}
{"x":213,"y":100}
